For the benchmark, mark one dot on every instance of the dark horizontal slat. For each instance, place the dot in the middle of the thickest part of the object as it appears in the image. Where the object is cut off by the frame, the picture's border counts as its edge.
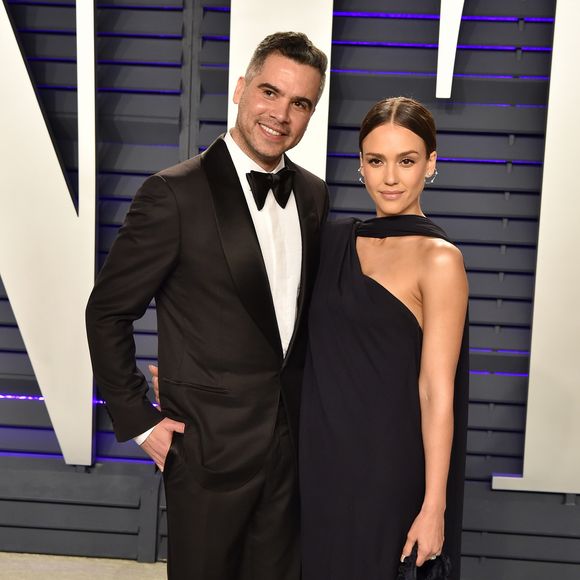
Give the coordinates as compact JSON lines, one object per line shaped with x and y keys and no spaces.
{"x":215,"y":23}
{"x":481,"y":468}
{"x":441,"y":202}
{"x":6,"y":314}
{"x":71,"y":488}
{"x":68,"y":543}
{"x":213,"y":107}
{"x":345,"y":141}
{"x":18,"y":385}
{"x":499,"y":362}
{"x":498,"y":337}
{"x":495,"y":443}
{"x":498,"y":258}
{"x":54,"y":18}
{"x":146,"y":22}
{"x":154,"y":4}
{"x":107,"y":446}
{"x":351,"y":85}
{"x":209,"y":132}
{"x":533,"y":8}
{"x":502,"y":312}
{"x":111,"y":185}
{"x":79,"y":518}
{"x":10,"y":339}
{"x":144,"y":130}
{"x":449,"y":115}
{"x":24,"y":413}
{"x":155,"y":50}
{"x":487,"y":176}
{"x":531,"y":548}
{"x":115,"y":104}
{"x":28,"y":441}
{"x":488,"y":285}
{"x":421,"y":60}
{"x":109,"y":76}
{"x":495,"y":416}
{"x":519,"y":513}
{"x":475,"y":568}
{"x":121,"y":158}
{"x":474,"y":33}
{"x":14,"y":363}
{"x":146,"y":345}
{"x":498,"y":389}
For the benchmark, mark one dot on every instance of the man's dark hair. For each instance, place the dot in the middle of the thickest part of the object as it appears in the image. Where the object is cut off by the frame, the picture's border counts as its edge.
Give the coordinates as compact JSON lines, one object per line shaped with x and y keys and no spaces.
{"x":293,"y":45}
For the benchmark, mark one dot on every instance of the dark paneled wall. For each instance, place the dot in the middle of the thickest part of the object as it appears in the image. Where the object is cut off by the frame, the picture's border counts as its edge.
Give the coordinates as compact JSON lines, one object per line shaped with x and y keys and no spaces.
{"x":162,"y":82}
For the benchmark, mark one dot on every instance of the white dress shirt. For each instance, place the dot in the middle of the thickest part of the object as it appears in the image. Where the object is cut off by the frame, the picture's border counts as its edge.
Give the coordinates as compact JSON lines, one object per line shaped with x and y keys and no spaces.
{"x":279,"y":236}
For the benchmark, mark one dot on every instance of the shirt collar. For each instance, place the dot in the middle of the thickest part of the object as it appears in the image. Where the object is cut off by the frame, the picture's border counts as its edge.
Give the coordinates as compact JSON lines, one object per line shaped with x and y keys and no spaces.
{"x":243,"y":163}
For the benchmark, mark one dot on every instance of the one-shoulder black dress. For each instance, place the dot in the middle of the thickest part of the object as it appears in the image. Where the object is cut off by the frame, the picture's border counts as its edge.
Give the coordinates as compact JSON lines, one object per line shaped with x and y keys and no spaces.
{"x":362,"y":465}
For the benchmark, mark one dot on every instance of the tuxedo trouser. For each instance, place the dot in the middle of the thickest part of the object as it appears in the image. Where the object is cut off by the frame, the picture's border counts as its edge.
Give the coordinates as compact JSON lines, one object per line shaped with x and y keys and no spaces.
{"x":250,"y":533}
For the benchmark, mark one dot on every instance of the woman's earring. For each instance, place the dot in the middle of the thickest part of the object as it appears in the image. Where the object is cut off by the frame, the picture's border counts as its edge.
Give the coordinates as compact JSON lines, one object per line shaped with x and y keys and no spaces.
{"x":431,"y":178}
{"x":361,"y":177}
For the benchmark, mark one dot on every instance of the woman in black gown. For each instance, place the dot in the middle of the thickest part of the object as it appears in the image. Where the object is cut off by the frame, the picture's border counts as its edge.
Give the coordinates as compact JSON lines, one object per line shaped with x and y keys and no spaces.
{"x":384,"y":405}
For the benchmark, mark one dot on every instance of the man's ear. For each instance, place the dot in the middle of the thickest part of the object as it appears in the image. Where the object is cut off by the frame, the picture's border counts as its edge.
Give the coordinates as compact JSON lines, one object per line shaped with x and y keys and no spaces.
{"x":240,"y":86}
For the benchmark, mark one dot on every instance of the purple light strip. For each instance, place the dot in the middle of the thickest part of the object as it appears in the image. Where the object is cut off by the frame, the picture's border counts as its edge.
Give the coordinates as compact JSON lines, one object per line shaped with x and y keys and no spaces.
{"x":132,"y":7}
{"x":137,"y":35}
{"x":52,"y":4}
{"x":409,"y":16}
{"x":73,"y":88}
{"x":433,"y":74}
{"x":98,"y":458}
{"x":492,"y":47}
{"x":40,"y":398}
{"x":500,"y":351}
{"x":498,"y":373}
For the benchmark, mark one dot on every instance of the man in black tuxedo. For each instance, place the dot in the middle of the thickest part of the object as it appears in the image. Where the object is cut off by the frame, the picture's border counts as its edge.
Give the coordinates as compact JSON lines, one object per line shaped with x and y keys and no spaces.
{"x":227,"y":244}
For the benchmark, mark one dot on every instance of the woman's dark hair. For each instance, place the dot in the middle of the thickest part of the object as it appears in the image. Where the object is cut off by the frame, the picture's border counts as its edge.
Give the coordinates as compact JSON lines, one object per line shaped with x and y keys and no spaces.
{"x":404,"y":112}
{"x":293,"y":45}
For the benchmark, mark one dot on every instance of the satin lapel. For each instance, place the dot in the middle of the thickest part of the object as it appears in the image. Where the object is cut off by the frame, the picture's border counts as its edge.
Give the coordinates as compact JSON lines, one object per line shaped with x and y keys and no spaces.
{"x":239,"y":241}
{"x":309,"y":225}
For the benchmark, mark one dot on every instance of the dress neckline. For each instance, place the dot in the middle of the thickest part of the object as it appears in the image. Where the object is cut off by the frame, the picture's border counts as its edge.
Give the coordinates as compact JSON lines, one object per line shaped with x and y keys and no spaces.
{"x":399,"y":225}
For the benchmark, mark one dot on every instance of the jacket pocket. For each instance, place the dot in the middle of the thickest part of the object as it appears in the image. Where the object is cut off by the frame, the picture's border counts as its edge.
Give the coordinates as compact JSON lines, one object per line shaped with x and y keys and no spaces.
{"x":217,"y":389}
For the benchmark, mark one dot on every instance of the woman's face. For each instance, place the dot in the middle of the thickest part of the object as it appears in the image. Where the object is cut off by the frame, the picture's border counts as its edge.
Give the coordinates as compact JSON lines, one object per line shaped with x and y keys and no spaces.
{"x":394,"y":165}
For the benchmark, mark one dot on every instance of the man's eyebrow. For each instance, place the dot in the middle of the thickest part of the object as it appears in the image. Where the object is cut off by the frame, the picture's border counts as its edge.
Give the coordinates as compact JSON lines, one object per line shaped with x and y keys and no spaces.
{"x":276,"y":90}
{"x":272,"y":88}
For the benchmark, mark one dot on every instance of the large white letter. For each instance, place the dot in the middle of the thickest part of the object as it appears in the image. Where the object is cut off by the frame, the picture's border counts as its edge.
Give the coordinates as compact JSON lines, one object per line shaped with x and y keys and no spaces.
{"x":552,"y":456}
{"x":47,"y":251}
{"x":449,"y":23}
{"x":253,"y":20}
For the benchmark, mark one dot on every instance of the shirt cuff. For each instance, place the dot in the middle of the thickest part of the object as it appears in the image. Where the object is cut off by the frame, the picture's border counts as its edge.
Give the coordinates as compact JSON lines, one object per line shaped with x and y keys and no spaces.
{"x":140,"y":439}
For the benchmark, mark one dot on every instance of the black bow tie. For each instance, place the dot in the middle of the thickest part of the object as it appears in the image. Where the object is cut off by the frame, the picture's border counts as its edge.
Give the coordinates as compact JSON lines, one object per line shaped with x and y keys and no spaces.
{"x":280,"y":183}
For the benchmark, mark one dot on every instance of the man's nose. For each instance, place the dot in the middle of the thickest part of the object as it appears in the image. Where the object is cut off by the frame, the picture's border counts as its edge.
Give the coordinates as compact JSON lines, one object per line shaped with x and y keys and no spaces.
{"x":281,"y":111}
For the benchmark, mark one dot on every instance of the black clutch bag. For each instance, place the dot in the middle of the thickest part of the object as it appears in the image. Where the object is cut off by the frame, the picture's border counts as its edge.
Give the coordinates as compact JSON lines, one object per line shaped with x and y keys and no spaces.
{"x":437,"y":569}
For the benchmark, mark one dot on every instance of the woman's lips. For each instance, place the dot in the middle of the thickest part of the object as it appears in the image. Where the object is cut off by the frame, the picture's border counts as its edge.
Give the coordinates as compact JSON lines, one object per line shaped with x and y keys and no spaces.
{"x":391,"y":194}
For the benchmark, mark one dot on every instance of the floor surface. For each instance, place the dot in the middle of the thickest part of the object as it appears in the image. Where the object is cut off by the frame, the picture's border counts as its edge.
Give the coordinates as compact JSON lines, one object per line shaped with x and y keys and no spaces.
{"x":37,"y":566}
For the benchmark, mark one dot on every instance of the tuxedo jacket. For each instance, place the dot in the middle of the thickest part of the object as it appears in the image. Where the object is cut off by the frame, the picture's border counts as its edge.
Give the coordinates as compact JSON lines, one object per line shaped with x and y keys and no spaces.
{"x":188,"y":241}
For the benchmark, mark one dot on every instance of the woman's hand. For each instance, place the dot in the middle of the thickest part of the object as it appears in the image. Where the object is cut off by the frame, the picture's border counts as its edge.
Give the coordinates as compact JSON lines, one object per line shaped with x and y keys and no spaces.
{"x":428,"y":532}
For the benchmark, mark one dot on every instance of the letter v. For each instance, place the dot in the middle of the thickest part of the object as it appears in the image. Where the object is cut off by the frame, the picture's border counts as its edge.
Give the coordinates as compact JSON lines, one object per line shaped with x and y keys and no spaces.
{"x":47,"y":251}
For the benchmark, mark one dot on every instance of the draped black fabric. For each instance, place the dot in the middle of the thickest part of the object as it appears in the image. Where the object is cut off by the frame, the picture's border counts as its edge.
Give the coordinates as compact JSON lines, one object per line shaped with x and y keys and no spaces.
{"x":361,"y":452}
